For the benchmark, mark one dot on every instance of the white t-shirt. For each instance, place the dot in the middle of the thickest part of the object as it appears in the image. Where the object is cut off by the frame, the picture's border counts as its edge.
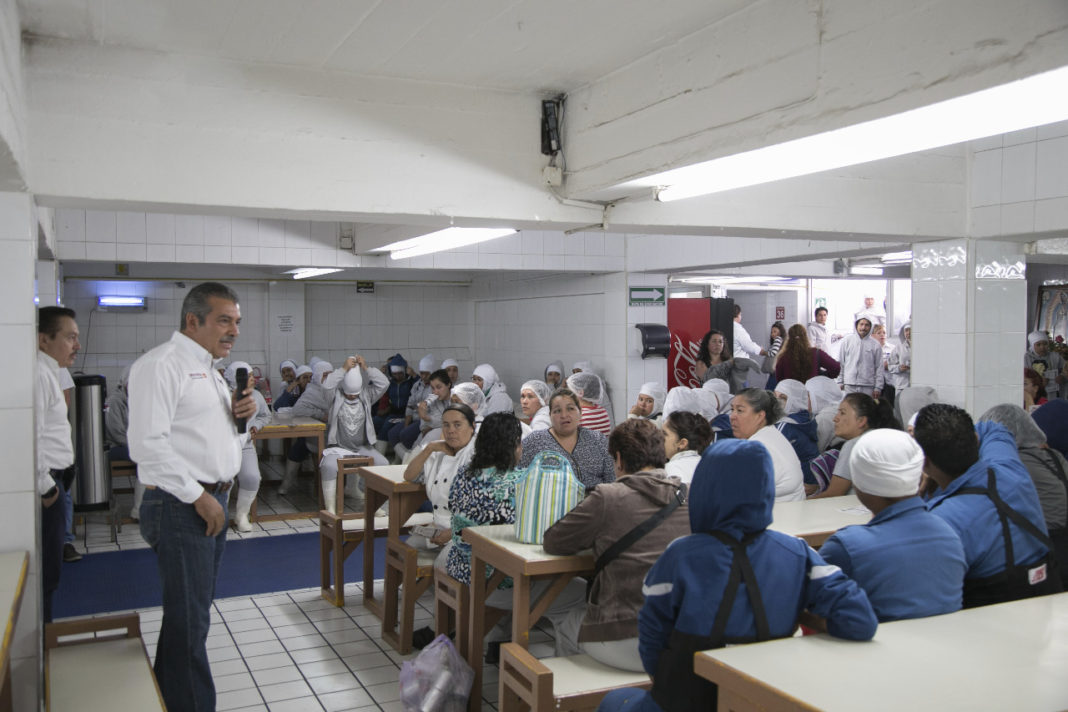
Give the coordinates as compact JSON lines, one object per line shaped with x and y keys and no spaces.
{"x":789,"y":483}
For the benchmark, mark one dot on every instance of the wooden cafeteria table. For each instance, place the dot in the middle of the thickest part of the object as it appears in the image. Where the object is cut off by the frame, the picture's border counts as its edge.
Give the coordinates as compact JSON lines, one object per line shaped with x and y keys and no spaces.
{"x":1010,"y":656}
{"x":815,"y":520}
{"x":13,"y":566}
{"x":496,"y":546}
{"x":385,"y":483}
{"x":287,"y":427}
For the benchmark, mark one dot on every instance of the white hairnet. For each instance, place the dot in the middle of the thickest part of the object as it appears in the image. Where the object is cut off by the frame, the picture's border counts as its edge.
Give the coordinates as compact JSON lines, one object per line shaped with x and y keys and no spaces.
{"x":539,"y":388}
{"x":1018,"y":422}
{"x":704,"y":402}
{"x":587,"y":386}
{"x":470,"y":394}
{"x":796,"y":395}
{"x":822,"y":392}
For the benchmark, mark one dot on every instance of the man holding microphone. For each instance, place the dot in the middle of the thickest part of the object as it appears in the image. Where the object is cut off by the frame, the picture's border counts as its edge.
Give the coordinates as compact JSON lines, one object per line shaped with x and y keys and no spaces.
{"x":183,"y":435}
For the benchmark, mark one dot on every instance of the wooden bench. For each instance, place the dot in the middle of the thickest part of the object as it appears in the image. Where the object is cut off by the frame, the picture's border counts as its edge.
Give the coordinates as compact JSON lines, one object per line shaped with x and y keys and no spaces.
{"x":574,"y":683}
{"x":103,"y":673}
{"x":123,"y":468}
{"x":415,"y":569}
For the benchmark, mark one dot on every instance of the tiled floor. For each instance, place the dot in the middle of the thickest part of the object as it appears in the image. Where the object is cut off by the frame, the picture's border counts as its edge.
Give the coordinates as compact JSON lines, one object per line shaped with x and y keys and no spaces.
{"x":295,"y":651}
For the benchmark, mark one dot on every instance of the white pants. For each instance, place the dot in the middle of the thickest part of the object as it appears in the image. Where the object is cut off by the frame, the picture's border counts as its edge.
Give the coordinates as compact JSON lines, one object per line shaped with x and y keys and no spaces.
{"x":572,"y":597}
{"x":621,"y":654}
{"x":328,"y":466}
{"x":866,"y":390}
{"x":248,"y":477}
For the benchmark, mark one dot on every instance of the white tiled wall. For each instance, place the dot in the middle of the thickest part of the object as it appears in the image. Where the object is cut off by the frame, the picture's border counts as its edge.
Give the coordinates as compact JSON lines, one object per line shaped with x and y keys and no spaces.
{"x":112,"y":340}
{"x":19,"y":503}
{"x":641,"y":370}
{"x":520,"y":326}
{"x":407,"y":319}
{"x":1019,"y":182}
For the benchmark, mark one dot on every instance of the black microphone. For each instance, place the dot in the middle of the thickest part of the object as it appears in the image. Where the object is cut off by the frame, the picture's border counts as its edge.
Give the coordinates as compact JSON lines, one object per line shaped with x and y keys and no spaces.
{"x":242,"y":384}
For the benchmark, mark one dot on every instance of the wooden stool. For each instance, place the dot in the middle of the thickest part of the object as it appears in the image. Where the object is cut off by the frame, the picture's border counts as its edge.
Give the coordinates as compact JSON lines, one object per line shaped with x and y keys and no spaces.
{"x":572,"y":683}
{"x":122,"y":468}
{"x":340,"y":534}
{"x":451,"y":604}
{"x":414,"y":568}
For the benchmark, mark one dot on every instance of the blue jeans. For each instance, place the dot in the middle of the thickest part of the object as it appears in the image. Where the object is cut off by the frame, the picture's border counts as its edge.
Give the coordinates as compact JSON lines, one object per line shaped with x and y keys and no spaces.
{"x":628,"y":699}
{"x":188,"y":567}
{"x":405,"y":434}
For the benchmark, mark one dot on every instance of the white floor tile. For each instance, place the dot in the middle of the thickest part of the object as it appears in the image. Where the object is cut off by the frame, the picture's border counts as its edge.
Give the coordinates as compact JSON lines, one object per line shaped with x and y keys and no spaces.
{"x":350,"y":634}
{"x":334,"y":683}
{"x":357,"y":647}
{"x":301,"y":704}
{"x":323,"y":667}
{"x":368,"y":661}
{"x":273,"y":676}
{"x":295,"y":630}
{"x":266,"y":647}
{"x":254,"y":636}
{"x":267,"y":662}
{"x":313,"y":655}
{"x":228,"y":683}
{"x":378,"y":675}
{"x":387,"y":692}
{"x":345,"y":700}
{"x":228,"y":652}
{"x":228,"y":667}
{"x":301,"y":642}
{"x":249,"y":624}
{"x":235,"y":699}
{"x":285,"y":691}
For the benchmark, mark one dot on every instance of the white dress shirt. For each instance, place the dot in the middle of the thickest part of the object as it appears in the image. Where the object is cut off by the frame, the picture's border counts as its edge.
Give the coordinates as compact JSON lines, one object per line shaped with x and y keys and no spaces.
{"x":55,"y":451}
{"x":744,"y":346}
{"x":181,"y":428}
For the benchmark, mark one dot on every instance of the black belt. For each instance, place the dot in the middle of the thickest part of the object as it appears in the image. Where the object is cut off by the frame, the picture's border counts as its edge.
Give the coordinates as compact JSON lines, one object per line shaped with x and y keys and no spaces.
{"x":209,"y":487}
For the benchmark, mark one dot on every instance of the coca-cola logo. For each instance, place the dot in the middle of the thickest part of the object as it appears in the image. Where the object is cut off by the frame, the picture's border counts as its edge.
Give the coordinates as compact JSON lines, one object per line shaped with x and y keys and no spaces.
{"x":685,"y":360}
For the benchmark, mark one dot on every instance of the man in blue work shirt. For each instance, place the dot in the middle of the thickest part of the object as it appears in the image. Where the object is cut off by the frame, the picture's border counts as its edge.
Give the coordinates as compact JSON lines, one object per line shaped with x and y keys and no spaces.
{"x":986,"y":495}
{"x":909,"y":561}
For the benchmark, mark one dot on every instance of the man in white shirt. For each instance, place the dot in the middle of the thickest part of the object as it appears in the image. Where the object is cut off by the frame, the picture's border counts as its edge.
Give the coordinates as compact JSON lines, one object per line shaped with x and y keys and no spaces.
{"x":862,"y":361}
{"x":744,"y":346}
{"x":817,"y":331}
{"x":57,"y":345}
{"x":184,"y":439}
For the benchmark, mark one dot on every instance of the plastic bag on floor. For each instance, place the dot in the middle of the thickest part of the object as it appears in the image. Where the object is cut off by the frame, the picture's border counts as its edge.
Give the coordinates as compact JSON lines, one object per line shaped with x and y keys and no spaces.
{"x":436,"y":680}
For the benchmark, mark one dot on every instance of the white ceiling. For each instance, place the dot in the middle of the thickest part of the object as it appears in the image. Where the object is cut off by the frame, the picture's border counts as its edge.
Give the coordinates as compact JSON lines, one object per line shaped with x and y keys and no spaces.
{"x":518,"y":45}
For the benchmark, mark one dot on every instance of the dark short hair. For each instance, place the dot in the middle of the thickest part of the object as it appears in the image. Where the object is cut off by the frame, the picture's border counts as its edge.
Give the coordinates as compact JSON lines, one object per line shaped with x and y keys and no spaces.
{"x":49,"y":320}
{"x":565,"y":393}
{"x":495,"y":444}
{"x":639,"y":444}
{"x":818,"y":310}
{"x":737,"y":309}
{"x":947,"y":435}
{"x":441,"y":375}
{"x":764,"y":401}
{"x":197,"y":302}
{"x":692,"y":427}
{"x":463,"y":410}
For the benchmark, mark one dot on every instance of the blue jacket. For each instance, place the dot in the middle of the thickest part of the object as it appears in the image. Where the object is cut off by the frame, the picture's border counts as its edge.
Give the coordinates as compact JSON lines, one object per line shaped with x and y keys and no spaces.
{"x":974,"y":517}
{"x":800,"y":429}
{"x":733,"y":492}
{"x":399,"y":392}
{"x":909,"y":562}
{"x":721,"y":427}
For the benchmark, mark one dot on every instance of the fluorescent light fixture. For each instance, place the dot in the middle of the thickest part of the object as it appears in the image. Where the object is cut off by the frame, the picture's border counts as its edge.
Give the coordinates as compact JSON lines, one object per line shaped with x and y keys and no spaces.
{"x":121,"y":303}
{"x":1034,"y":101}
{"x":447,"y":239}
{"x":897,"y":258}
{"x":866,"y":270}
{"x":755,"y":279}
{"x":305,"y":272}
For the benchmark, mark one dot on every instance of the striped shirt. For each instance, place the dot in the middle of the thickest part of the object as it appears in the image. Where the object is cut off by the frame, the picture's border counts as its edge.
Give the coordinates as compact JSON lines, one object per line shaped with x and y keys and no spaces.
{"x":596,"y":418}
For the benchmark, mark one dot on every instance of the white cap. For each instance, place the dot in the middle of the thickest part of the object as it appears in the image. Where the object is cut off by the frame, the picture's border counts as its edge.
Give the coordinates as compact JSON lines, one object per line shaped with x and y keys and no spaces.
{"x":353,"y":383}
{"x":301,"y":370}
{"x":886,"y":463}
{"x":426,"y":363}
{"x":449,"y":362}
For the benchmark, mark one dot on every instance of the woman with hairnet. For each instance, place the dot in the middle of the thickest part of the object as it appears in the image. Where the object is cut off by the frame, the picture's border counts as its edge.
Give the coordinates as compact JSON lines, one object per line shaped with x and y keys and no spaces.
{"x":534,"y":401}
{"x":590,"y":390}
{"x":350,"y":430}
{"x":554,"y":374}
{"x":497,"y":398}
{"x":472,"y":396}
{"x":650,"y":403}
{"x":1048,"y":469}
{"x":248,"y":477}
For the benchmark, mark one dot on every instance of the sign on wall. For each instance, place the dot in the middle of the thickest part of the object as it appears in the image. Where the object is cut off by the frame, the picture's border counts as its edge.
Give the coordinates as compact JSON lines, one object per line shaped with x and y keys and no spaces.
{"x":365,"y":287}
{"x":780,"y":313}
{"x":647,"y":296}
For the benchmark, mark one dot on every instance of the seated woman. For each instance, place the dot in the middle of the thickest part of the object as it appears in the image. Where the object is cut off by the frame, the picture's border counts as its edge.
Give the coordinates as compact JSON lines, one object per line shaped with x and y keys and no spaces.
{"x":1048,"y":470}
{"x":607,"y":628}
{"x":1034,"y":389}
{"x":857,"y":414}
{"x":587,"y":386}
{"x":430,"y":410}
{"x":497,"y":398}
{"x":350,"y":429}
{"x":686,"y":435}
{"x":650,"y":403}
{"x":248,"y":477}
{"x":754,"y":413}
{"x":800,"y":361}
{"x":534,"y":401}
{"x":554,"y":374}
{"x":293,"y":390}
{"x":391,"y":409}
{"x":315,"y":402}
{"x":288,"y":372}
{"x":586,"y":449}
{"x":452,"y":368}
{"x":470,"y":395}
{"x":405,"y":434}
{"x":436,"y":466}
{"x":692,"y":592}
{"x":799,"y":427}
{"x":824,"y":395}
{"x":713,"y":358}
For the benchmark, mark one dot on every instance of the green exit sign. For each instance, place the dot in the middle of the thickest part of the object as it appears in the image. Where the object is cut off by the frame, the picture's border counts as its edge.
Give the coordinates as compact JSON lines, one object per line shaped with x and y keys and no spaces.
{"x":647,"y":296}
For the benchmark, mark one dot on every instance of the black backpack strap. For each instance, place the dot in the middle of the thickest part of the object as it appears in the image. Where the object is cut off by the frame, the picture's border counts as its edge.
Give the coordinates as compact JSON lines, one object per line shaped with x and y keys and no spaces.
{"x":630,"y":538}
{"x":741,"y":571}
{"x":1058,"y":469}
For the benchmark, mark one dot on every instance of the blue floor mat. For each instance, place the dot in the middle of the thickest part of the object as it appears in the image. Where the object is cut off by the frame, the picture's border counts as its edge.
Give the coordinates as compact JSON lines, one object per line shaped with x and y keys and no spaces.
{"x":124,"y":580}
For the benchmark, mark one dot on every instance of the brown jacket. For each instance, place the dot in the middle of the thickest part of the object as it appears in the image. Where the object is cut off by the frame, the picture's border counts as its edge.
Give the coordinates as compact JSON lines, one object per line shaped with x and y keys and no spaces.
{"x":605,"y":516}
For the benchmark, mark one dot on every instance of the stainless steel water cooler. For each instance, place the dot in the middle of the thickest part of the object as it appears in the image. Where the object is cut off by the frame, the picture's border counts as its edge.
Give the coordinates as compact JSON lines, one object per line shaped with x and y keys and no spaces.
{"x":92,"y":482}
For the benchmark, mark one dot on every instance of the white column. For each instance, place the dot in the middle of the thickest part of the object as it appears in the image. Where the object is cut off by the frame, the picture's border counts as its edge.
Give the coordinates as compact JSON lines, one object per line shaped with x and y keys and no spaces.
{"x":969,"y":312}
{"x":19,"y":503}
{"x":48,"y":294}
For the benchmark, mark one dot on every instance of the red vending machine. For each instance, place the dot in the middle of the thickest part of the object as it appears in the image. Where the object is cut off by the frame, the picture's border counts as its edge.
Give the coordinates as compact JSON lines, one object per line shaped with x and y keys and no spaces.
{"x":688,"y":321}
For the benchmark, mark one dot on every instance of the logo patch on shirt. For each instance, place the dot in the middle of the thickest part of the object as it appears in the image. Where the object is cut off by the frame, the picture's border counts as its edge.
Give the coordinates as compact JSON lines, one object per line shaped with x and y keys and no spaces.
{"x":1036,"y":575}
{"x":198,"y":375}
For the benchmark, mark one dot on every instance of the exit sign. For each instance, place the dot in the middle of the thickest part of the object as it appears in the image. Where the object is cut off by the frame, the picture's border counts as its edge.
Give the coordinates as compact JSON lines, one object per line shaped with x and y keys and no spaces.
{"x":647,"y":296}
